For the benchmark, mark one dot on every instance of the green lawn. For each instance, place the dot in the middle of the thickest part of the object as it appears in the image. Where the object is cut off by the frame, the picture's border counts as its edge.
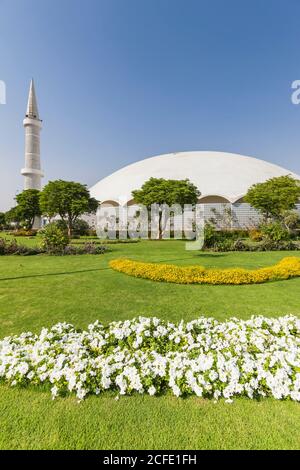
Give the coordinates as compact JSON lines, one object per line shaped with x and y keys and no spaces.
{"x":41,"y":290}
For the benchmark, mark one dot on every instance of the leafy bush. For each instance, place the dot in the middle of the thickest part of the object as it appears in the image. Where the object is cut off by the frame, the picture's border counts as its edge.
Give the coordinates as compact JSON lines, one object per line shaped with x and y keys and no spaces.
{"x":88,"y":248}
{"x":221,"y":240}
{"x":11,"y":247}
{"x":54,"y":239}
{"x":81,"y":228}
{"x":266,"y":245}
{"x":274,"y":231}
{"x":209,"y":235}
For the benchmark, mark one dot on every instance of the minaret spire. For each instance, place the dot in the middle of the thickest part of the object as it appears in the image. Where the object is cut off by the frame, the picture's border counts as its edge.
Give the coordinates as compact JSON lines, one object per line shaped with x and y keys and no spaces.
{"x":32,"y":107}
{"x":32,"y":172}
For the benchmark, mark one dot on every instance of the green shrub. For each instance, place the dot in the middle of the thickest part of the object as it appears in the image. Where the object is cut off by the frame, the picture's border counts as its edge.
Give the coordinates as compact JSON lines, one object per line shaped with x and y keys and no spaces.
{"x":88,"y":248}
{"x":221,"y":240}
{"x":275,"y":232}
{"x":81,"y":228}
{"x":210,"y":236}
{"x":54,"y":239}
{"x":11,"y":247}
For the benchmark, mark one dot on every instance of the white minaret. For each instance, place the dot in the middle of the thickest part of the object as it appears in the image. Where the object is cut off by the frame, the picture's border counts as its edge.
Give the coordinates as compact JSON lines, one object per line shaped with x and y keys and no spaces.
{"x":33,"y":125}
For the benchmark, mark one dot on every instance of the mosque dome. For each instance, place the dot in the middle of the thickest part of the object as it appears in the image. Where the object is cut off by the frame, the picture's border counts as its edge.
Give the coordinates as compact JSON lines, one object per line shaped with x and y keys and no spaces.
{"x":219,"y":176}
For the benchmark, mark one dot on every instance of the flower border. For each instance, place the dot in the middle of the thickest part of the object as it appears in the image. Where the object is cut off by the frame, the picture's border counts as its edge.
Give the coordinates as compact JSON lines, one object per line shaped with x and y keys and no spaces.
{"x":287,"y":268}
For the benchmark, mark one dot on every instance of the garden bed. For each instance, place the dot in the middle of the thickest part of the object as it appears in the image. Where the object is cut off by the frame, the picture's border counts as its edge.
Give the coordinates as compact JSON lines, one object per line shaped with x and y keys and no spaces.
{"x":286,"y":268}
{"x":256,"y":358}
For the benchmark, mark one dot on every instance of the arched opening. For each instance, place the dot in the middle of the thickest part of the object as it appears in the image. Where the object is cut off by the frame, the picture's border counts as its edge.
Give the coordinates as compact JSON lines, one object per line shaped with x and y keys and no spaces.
{"x":109,"y":203}
{"x":213,"y":199}
{"x":239,"y":201}
{"x":131,"y":203}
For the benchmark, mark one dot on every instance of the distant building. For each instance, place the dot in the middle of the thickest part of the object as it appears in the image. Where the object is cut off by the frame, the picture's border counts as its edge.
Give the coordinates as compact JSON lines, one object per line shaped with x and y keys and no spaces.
{"x":223,"y":179}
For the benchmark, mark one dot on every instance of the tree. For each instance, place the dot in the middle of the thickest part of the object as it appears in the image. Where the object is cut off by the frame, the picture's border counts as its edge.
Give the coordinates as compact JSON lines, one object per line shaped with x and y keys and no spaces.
{"x":28,"y":206}
{"x":274,"y":197}
{"x":67,"y":199}
{"x":13,"y":216}
{"x":165,"y":192}
{"x":2,"y":220}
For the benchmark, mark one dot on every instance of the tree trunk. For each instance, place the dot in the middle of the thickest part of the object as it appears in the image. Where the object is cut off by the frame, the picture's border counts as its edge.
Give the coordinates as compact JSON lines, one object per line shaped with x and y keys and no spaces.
{"x":160,"y":232}
{"x":69,"y":228}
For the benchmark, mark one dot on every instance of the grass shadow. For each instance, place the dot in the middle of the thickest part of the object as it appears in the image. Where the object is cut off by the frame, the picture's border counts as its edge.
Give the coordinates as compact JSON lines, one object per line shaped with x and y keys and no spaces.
{"x":54,"y":274}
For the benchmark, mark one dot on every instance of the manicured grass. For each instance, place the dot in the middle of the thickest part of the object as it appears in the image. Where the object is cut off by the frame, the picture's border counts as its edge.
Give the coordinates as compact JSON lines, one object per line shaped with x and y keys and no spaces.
{"x":30,"y":420}
{"x":37,"y":291}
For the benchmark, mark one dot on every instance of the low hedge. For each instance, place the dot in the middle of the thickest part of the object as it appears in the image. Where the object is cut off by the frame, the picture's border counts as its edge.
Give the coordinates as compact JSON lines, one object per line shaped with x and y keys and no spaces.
{"x":11,"y":247}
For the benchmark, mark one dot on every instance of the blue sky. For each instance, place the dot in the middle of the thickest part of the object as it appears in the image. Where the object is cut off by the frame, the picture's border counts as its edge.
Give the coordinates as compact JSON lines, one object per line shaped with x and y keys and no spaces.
{"x":121,"y":80}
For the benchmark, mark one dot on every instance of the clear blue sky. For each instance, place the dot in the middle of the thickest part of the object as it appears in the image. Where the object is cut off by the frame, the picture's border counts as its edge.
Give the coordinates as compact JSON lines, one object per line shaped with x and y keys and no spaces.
{"x":121,"y":80}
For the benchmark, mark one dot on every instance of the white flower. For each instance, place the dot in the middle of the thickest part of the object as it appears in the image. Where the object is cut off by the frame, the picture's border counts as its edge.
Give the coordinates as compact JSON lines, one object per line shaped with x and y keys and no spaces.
{"x":256,"y":357}
{"x":152,"y":390}
{"x":54,"y":392}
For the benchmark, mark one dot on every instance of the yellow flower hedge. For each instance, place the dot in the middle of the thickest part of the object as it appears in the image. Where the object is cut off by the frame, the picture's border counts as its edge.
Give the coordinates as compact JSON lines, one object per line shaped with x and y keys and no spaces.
{"x":286,"y":268}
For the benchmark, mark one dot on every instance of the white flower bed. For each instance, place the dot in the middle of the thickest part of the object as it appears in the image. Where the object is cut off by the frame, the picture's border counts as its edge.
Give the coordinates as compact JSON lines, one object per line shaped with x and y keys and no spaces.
{"x":255,"y":358}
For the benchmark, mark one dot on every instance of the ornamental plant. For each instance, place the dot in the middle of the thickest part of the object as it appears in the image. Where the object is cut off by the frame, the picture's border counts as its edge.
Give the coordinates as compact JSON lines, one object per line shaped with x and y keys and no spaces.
{"x":288,"y":267}
{"x":54,"y":239}
{"x":274,"y":231}
{"x":254,"y":358}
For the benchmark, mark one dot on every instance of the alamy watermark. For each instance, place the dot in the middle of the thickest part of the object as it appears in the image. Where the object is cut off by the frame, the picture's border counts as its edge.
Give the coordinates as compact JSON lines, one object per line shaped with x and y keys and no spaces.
{"x":295,"y":96}
{"x":155,"y":222}
{"x":2,"y":92}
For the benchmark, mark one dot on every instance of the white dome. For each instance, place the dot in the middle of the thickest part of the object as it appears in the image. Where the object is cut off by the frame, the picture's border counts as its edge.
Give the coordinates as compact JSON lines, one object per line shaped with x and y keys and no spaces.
{"x":227,"y":175}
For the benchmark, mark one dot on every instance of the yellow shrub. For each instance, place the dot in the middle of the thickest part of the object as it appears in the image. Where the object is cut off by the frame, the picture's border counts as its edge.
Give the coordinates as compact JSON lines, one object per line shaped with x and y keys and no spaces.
{"x":256,"y":235}
{"x":285,"y":269}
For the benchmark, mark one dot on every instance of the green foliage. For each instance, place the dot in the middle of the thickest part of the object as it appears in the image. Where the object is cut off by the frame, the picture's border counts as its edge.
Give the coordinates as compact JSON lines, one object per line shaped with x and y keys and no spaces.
{"x":11,"y":247}
{"x":265,"y":245}
{"x":274,"y":231}
{"x":274,"y":197}
{"x":67,"y":199}
{"x":2,"y":220}
{"x":28,"y":206}
{"x":88,"y":248}
{"x":221,"y":240}
{"x":13,"y":216}
{"x":291,"y":220}
{"x":166,"y":192}
{"x":271,"y":237}
{"x":81,"y":228}
{"x":210,"y":235}
{"x":162,"y":191}
{"x":54,"y":239}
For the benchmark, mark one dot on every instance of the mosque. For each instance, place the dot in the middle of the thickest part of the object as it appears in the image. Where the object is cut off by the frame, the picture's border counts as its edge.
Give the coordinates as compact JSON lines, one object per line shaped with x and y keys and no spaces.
{"x":222,"y":178}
